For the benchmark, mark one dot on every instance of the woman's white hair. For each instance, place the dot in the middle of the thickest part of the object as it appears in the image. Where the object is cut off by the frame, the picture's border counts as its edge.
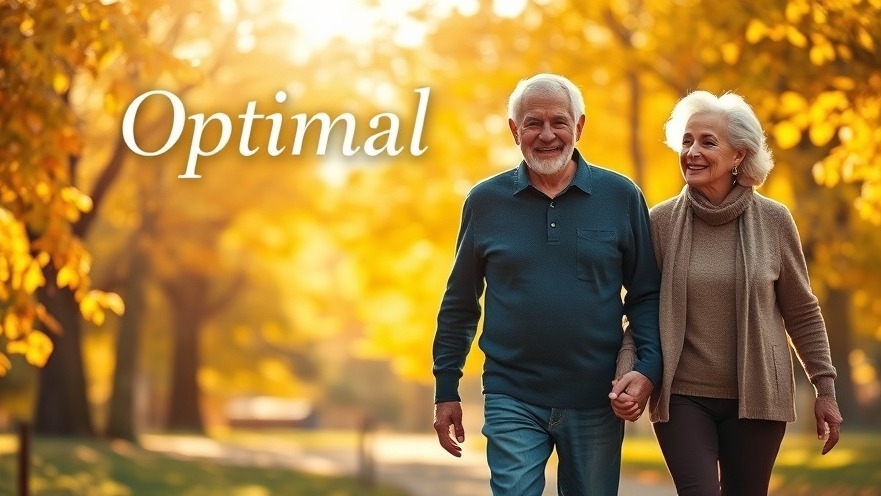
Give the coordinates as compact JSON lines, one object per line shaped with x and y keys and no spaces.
{"x":744,"y":131}
{"x":548,"y":84}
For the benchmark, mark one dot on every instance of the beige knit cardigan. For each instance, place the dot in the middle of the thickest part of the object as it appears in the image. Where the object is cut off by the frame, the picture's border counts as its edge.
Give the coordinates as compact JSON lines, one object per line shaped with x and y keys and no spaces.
{"x":774,"y":300}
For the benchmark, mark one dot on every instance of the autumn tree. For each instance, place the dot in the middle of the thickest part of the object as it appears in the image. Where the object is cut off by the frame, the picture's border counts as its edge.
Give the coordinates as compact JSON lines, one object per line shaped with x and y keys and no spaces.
{"x":45,"y":47}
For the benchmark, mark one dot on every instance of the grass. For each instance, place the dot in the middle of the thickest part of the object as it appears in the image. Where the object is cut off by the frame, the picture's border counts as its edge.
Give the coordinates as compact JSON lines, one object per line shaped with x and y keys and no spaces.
{"x":853,"y":468}
{"x":90,"y":467}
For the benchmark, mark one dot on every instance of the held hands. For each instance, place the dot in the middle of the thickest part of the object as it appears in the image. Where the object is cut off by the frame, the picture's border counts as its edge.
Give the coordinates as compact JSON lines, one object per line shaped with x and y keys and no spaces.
{"x":630,"y":394}
{"x":828,"y":421}
{"x":448,"y":424}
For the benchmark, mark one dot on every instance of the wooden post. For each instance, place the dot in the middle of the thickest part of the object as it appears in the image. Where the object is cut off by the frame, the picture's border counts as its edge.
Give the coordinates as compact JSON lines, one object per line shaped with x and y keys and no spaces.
{"x":24,"y":458}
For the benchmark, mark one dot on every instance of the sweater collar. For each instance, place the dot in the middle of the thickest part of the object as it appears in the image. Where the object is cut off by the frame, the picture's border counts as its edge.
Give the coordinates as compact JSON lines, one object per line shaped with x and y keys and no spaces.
{"x":737,"y":201}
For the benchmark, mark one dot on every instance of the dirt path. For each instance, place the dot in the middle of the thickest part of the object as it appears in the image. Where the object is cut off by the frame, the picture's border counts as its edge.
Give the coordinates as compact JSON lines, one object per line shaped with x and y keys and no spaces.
{"x":412,"y":462}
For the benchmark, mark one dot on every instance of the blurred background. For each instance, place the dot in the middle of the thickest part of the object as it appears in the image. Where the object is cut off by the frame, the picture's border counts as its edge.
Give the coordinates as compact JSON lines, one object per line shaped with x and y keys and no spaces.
{"x":275,"y":316}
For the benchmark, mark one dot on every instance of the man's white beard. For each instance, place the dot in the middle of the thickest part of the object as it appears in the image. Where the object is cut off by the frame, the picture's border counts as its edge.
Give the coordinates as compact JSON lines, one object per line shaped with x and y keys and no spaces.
{"x":548,"y":167}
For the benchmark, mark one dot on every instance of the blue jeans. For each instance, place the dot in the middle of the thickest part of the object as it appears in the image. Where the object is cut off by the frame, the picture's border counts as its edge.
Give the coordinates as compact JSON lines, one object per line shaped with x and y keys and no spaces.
{"x":520,"y":439}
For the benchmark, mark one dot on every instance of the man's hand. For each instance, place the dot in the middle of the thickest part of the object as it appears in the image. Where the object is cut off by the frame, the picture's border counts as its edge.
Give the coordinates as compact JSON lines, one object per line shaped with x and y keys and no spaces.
{"x":448,"y":424}
{"x":828,"y":417}
{"x":630,"y":394}
{"x":625,"y":407}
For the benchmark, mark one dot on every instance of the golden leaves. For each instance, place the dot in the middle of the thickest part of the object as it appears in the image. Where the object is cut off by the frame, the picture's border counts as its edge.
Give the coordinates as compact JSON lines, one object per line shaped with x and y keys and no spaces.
{"x":796,"y":37}
{"x":61,"y":82}
{"x":36,"y":348}
{"x":821,"y":133}
{"x":26,"y":27}
{"x":821,"y":50}
{"x":93,"y":304}
{"x":756,"y":30}
{"x":730,"y":53}
{"x":786,"y":134}
{"x":76,"y":198}
{"x":791,"y":103}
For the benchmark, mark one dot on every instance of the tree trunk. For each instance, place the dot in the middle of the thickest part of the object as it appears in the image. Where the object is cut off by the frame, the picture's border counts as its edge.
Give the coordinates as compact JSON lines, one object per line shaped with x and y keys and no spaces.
{"x":836,"y":311}
{"x":187,"y":301}
{"x":122,"y":400}
{"x":836,"y":305}
{"x":62,"y":405}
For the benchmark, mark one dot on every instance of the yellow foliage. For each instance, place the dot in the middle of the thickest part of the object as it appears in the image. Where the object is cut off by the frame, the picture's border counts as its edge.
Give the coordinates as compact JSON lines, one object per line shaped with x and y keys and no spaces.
{"x":821,"y":133}
{"x":93,"y":303}
{"x":74,"y":196}
{"x":114,"y":303}
{"x":791,"y":103}
{"x":755,"y":31}
{"x":866,"y":39}
{"x":786,"y":134}
{"x":825,"y":175}
{"x":67,"y":277}
{"x":796,"y":37}
{"x":61,"y":82}
{"x":11,"y":327}
{"x":730,"y":53}
{"x":32,"y":278}
{"x":39,"y":348}
{"x":89,"y":305}
{"x":27,"y":26}
{"x":843,"y":83}
{"x":5,"y":364}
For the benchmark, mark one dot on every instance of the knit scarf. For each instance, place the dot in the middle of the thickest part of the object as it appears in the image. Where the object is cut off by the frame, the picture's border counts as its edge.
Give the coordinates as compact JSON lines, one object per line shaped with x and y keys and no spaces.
{"x":674,"y":278}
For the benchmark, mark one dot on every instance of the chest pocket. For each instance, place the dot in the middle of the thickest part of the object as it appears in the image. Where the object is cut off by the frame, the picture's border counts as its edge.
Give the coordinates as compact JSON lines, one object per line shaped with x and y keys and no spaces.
{"x":598,"y":259}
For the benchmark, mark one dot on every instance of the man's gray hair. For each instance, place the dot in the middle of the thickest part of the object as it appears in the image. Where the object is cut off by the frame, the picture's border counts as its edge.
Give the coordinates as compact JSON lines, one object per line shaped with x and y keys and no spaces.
{"x":550,"y":84}
{"x":744,"y":131}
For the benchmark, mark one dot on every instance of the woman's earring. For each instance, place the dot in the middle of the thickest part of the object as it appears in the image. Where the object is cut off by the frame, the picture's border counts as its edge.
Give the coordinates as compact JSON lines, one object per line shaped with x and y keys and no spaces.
{"x":735,"y":171}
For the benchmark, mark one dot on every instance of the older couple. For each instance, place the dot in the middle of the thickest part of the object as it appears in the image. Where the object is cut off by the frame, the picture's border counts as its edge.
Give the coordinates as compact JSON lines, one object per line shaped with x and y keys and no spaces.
{"x":716,"y":286}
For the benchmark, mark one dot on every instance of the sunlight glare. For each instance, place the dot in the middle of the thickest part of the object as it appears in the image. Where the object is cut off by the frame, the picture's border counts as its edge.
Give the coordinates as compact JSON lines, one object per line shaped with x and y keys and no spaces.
{"x":227,"y":9}
{"x":508,"y":8}
{"x":317,"y":23}
{"x":362,"y":21}
{"x":245,"y":41}
{"x":411,"y":34}
{"x":334,"y":172}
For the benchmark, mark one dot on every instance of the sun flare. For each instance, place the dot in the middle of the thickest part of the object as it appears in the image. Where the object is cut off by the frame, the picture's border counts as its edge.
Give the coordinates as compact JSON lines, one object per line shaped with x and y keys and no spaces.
{"x":361,"y":22}
{"x":316,"y":23}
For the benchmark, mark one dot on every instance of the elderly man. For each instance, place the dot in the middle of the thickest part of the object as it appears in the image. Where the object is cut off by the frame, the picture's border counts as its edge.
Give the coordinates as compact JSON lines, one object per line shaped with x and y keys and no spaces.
{"x":552,"y":242}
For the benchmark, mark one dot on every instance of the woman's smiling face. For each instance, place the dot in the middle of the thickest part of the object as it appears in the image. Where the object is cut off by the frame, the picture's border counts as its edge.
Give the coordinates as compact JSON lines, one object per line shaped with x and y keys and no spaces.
{"x":707,"y":158}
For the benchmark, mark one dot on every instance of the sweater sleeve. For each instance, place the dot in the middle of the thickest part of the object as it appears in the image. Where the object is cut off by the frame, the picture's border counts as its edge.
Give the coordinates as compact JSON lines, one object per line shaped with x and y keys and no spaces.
{"x":801,"y":310}
{"x":642,"y":281}
{"x":627,"y":354}
{"x":459,"y":311}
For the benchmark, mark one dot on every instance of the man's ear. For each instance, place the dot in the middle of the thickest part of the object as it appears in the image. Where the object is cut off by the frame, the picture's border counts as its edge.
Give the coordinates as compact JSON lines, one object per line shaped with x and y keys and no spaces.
{"x":514,"y":132}
{"x":578,"y":127}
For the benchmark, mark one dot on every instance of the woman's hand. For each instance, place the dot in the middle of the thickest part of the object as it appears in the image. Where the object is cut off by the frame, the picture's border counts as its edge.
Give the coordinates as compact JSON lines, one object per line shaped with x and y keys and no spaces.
{"x":828,"y":421}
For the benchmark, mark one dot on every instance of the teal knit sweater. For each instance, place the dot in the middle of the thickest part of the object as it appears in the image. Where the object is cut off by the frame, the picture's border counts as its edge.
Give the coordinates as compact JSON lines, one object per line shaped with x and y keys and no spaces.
{"x":553,"y":270}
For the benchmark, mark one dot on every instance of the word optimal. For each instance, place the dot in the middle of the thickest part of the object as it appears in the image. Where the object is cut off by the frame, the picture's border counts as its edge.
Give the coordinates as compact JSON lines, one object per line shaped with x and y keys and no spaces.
{"x":385,"y":140}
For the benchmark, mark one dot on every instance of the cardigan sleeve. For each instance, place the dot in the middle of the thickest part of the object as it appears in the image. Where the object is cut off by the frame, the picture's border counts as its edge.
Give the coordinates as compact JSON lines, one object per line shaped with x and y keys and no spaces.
{"x":800,"y":308}
{"x":627,"y":354}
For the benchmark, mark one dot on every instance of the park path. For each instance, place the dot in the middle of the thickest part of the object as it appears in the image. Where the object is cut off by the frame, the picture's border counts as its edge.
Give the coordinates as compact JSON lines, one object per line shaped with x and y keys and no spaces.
{"x":413,"y":462}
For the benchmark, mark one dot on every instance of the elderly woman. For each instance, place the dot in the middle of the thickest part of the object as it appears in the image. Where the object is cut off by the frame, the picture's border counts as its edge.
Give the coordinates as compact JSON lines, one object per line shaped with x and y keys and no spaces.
{"x":734,"y":286}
